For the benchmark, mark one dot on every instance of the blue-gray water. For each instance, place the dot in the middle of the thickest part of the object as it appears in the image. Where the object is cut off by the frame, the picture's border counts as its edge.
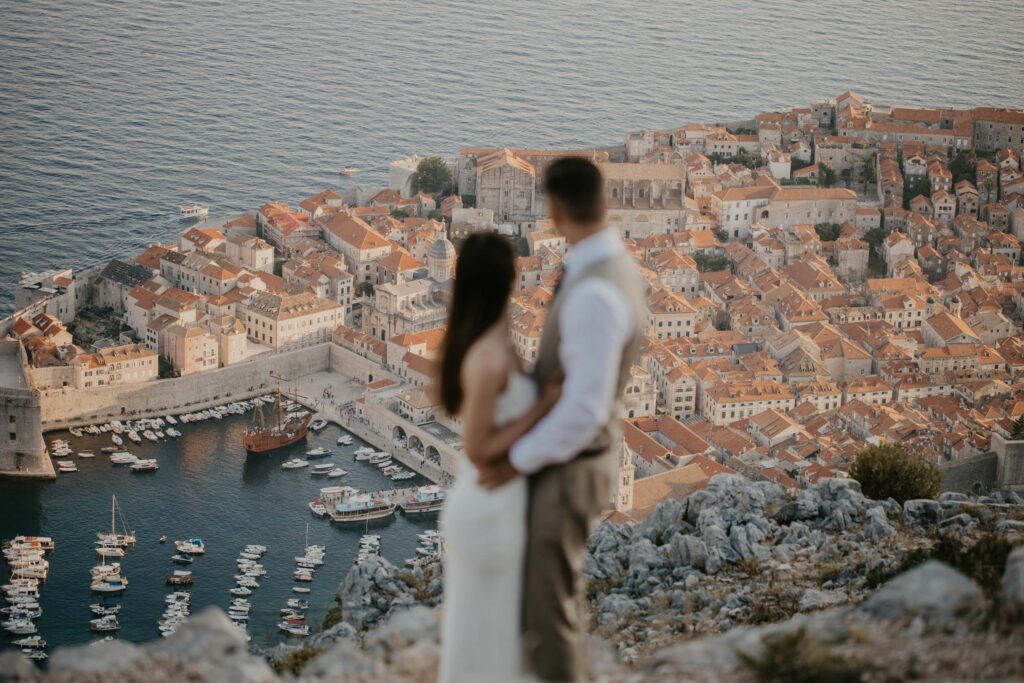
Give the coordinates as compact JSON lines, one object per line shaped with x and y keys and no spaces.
{"x":112,"y":115}
{"x":206,"y":487}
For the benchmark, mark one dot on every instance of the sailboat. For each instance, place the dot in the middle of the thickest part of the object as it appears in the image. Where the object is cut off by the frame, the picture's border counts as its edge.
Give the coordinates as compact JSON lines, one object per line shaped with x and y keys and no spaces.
{"x":109,"y":545}
{"x":264,"y":436}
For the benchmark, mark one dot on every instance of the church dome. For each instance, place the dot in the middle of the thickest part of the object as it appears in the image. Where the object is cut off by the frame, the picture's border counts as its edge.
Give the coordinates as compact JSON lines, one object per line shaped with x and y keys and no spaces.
{"x":442,"y":249}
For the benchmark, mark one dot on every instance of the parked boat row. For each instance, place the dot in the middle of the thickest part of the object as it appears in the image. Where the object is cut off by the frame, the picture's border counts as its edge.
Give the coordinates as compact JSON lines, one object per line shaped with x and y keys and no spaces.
{"x":177,"y":608}
{"x":293,"y":615}
{"x":429,"y":549}
{"x":26,"y":558}
{"x":369,"y":546}
{"x":108,"y":578}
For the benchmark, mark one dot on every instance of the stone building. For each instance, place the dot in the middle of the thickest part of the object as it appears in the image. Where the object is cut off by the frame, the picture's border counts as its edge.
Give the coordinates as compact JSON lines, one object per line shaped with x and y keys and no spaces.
{"x":644,"y":199}
{"x":506,"y":185}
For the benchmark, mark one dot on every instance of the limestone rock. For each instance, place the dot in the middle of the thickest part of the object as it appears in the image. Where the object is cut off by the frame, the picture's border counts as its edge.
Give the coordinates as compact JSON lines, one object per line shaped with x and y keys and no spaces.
{"x":937,"y":593}
{"x":922,"y":511}
{"x":1013,"y":583}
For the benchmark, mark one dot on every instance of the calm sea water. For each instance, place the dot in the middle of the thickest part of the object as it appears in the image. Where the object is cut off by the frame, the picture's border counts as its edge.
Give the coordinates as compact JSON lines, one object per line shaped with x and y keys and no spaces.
{"x":114,"y":115}
{"x":206,"y":487}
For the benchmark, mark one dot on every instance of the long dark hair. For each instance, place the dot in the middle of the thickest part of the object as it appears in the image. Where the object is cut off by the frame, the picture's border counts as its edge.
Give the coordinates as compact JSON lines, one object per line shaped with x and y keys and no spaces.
{"x":484,"y":276}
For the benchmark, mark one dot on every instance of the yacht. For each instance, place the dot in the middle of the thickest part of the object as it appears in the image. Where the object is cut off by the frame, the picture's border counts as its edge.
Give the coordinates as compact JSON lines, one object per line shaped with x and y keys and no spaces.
{"x":123,"y":458}
{"x":192,"y":546}
{"x":145,"y":466}
{"x":424,"y":499}
{"x":240,"y":590}
{"x":362,"y":507}
{"x":182,"y":558}
{"x":20,"y":627}
{"x":336,"y":473}
{"x":294,"y":629}
{"x":109,"y":584}
{"x":377,"y":458}
{"x":109,"y":551}
{"x":322,"y":469}
{"x":317,"y":453}
{"x":317,"y":508}
{"x":384,"y":464}
{"x":31,"y":642}
{"x":345,"y":440}
{"x":107,"y":623}
{"x":194,"y":211}
{"x":363,"y":450}
{"x":294,"y":464}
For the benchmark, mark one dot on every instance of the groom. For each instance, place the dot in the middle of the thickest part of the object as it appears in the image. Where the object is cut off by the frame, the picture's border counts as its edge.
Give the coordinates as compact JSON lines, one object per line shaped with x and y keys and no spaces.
{"x":591,"y":337}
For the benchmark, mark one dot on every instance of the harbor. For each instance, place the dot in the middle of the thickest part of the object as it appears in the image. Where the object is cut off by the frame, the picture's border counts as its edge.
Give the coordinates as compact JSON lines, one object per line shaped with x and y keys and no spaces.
{"x":205,"y":488}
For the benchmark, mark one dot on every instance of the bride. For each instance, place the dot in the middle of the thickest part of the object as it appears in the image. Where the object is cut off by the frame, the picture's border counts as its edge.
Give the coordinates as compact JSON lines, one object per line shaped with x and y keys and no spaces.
{"x":484,"y":530}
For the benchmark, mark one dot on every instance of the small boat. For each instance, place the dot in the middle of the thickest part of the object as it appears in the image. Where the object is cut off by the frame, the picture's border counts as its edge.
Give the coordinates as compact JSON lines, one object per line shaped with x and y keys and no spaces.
{"x":109,"y":584}
{"x":21,"y":627}
{"x":150,"y":435}
{"x":317,"y":425}
{"x":102,"y":610}
{"x":336,"y":473}
{"x":344,"y":440}
{"x":108,"y":623}
{"x":66,"y":466}
{"x":179,"y":578}
{"x":86,"y":454}
{"x":383,"y":465}
{"x":317,"y":453}
{"x":194,"y":211}
{"x":110,"y":449}
{"x":364,"y":450}
{"x":76,"y":432}
{"x":182,"y":559}
{"x":145,"y":466}
{"x":317,"y":508}
{"x":118,"y":441}
{"x":348,"y":170}
{"x":123,"y":458}
{"x":297,"y":603}
{"x":171,"y":420}
{"x":321,"y":469}
{"x":294,"y":629}
{"x":173,"y":433}
{"x":378,"y":458}
{"x":117,"y":427}
{"x":163,"y":538}
{"x":109,"y":551}
{"x":192,"y":546}
{"x":294,"y":464}
{"x":300,"y":589}
{"x":391,"y":469}
{"x":134,"y":436}
{"x":31,"y":642}
{"x":240,"y":590}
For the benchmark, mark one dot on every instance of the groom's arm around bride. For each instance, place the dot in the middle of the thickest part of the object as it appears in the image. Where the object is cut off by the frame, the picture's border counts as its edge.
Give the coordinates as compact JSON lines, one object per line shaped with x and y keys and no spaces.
{"x":591,"y":336}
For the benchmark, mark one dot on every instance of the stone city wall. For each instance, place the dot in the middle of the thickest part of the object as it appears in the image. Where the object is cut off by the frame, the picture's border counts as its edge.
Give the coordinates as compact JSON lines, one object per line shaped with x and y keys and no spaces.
{"x":69,"y":407}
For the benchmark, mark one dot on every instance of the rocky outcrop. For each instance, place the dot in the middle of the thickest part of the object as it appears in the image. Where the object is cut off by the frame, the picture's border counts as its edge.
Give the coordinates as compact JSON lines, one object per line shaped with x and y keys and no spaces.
{"x":735,"y":583}
{"x":741,"y":552}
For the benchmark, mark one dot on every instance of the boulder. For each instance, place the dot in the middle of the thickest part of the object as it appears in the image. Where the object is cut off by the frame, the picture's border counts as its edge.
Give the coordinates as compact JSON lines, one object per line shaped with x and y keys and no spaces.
{"x":877,"y":525}
{"x":1013,"y":583}
{"x":814,"y":599}
{"x":922,"y":511}
{"x":935,"y":592}
{"x":687,"y":550}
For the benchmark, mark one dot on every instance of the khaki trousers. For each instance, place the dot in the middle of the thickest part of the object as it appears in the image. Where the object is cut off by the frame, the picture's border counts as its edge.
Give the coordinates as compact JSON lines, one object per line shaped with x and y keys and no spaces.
{"x":564,"y":502}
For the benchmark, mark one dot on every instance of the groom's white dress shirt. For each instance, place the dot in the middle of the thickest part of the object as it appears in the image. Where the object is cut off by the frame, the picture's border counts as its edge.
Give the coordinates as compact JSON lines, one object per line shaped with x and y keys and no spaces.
{"x":594,"y":324}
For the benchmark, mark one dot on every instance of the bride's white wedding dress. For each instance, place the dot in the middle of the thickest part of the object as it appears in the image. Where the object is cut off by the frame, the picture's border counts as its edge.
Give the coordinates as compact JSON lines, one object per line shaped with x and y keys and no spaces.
{"x":485,"y":537}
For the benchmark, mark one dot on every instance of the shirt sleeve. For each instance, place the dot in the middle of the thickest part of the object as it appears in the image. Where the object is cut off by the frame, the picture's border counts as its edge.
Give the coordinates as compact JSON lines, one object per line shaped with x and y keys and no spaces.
{"x":594,"y":325}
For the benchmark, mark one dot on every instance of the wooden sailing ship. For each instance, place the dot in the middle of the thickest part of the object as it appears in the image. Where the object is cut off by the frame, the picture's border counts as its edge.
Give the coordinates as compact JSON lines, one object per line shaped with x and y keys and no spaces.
{"x":280,"y":430}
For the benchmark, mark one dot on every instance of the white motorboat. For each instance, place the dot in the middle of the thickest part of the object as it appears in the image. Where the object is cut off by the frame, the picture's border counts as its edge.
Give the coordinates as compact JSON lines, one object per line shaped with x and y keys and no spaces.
{"x":182,"y":558}
{"x":336,"y":473}
{"x":317,"y":508}
{"x":171,"y":420}
{"x":86,"y":454}
{"x":149,"y":465}
{"x":317,"y":453}
{"x":107,"y":623}
{"x":194,"y":211}
{"x":348,"y":170}
{"x":240,"y":590}
{"x":118,"y":441}
{"x":317,"y":425}
{"x":116,"y":426}
{"x":75,"y":431}
{"x":294,"y":464}
{"x":321,"y":469}
{"x":150,"y":435}
{"x":20,"y":627}
{"x":109,"y":584}
{"x":109,"y":551}
{"x":123,"y":458}
{"x":134,"y":436}
{"x":31,"y":642}
{"x":383,"y":465}
{"x":173,"y":433}
{"x":378,"y":458}
{"x":102,"y":610}
{"x":192,"y":546}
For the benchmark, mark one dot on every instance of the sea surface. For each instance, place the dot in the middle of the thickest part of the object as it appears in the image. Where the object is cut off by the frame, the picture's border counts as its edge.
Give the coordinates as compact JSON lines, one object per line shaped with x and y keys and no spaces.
{"x":206,"y":487}
{"x":113,"y":115}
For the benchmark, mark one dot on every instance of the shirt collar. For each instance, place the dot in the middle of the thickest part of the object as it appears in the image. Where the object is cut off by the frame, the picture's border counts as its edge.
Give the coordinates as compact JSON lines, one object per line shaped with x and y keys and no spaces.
{"x":597,"y":247}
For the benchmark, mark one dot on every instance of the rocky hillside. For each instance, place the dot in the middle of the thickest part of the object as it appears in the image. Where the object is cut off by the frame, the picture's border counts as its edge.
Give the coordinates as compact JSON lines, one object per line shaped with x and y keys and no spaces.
{"x":740,"y":582}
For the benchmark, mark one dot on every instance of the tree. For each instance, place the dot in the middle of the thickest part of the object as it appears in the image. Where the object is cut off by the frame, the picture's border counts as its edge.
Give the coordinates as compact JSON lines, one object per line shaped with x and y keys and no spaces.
{"x":964,"y":166}
{"x":990,"y":188}
{"x":868,"y":173}
{"x":826,"y":176}
{"x":432,"y":176}
{"x":914,"y":187}
{"x":721,"y":235}
{"x":399,"y":213}
{"x":827,"y":232}
{"x":1018,"y":428}
{"x":888,"y":471}
{"x":707,"y":264}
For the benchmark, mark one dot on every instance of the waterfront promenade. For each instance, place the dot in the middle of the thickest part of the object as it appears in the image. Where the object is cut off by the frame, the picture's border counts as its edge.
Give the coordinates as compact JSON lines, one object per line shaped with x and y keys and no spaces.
{"x":332,"y":408}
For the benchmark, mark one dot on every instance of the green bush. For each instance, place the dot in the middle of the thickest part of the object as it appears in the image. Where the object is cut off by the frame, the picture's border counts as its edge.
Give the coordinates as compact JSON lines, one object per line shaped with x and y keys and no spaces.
{"x":887,"y":471}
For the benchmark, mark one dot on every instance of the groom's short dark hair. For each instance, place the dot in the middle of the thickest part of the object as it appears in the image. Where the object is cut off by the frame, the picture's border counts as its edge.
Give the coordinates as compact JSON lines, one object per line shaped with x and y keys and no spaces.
{"x":577,"y":186}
